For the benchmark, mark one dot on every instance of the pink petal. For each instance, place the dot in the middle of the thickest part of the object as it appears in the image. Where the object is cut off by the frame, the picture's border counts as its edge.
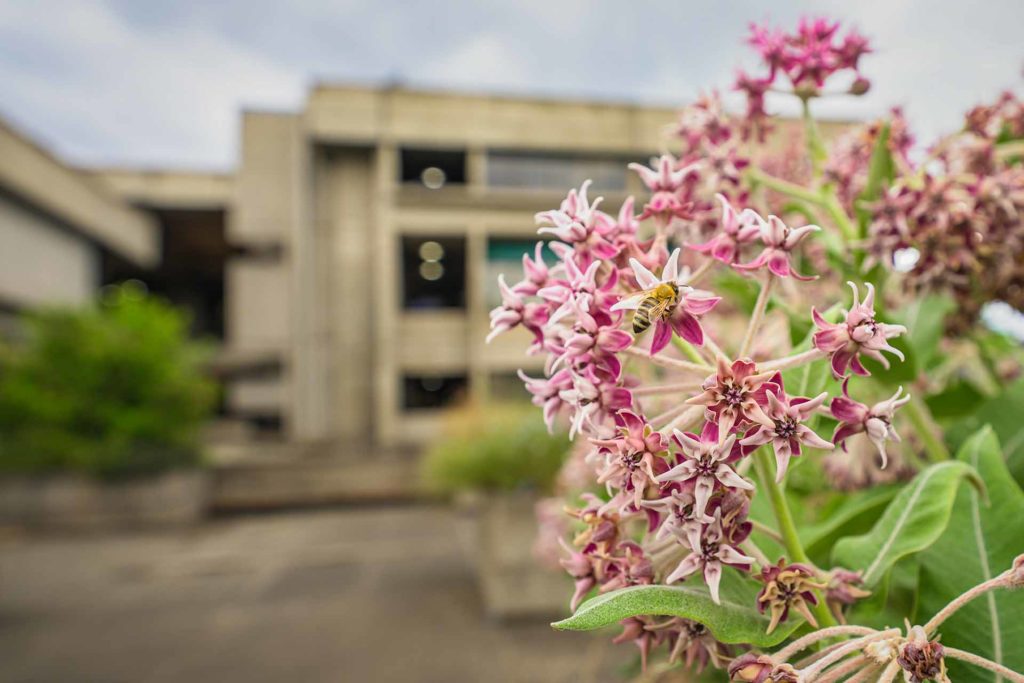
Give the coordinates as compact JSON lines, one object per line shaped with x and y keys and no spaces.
{"x":662,"y":336}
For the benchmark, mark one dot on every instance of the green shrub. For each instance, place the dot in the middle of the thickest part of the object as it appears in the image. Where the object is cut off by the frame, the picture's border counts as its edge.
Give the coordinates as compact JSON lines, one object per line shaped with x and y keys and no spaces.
{"x":494,"y":448}
{"x":113,"y":389}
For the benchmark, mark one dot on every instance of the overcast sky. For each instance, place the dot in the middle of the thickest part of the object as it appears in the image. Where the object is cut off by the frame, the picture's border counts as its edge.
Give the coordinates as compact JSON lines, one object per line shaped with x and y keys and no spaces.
{"x":160,"y":83}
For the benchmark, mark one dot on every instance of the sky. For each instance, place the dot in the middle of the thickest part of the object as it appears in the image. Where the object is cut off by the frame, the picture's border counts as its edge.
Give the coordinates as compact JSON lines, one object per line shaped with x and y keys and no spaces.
{"x":160,"y":83}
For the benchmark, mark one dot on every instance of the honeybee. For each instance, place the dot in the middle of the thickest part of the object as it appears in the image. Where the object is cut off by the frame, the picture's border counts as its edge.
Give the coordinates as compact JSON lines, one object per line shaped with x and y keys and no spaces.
{"x":657,"y":303}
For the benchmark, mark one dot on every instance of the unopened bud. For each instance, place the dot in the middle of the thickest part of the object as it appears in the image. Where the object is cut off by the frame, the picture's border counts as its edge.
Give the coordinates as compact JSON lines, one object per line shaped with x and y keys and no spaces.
{"x":860,"y":86}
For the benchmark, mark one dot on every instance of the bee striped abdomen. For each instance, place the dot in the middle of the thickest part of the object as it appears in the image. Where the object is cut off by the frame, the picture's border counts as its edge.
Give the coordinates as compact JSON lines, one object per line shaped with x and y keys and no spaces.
{"x":642,"y":315}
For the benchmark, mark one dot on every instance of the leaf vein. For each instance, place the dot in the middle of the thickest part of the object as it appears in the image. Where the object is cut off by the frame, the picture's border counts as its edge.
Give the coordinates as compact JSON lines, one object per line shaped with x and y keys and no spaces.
{"x":904,"y":514}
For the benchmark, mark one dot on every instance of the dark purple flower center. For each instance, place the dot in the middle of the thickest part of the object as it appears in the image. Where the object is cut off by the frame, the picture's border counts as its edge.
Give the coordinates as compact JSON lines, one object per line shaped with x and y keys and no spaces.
{"x":785,"y":428}
{"x":631,"y":460}
{"x":733,"y":395}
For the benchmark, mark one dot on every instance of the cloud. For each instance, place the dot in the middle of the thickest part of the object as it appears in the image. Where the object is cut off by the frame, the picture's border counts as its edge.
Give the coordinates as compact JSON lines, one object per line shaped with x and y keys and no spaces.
{"x":167,"y":96}
{"x":157,"y":83}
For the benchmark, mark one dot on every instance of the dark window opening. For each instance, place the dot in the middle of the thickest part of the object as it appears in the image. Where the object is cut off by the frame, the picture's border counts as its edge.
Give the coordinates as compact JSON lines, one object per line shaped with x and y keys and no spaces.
{"x":433,"y":272}
{"x":433,"y":168}
{"x":432,"y":391}
{"x":191,"y":269}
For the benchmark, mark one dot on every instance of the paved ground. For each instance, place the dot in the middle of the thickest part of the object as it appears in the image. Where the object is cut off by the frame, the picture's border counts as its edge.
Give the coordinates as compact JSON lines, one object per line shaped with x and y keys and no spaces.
{"x":357,"y":595}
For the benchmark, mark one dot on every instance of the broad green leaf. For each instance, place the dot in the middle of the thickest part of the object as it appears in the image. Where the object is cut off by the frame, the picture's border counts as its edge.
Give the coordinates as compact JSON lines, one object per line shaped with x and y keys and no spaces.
{"x":1003,"y":413}
{"x":735,"y":620}
{"x":924,"y":319}
{"x":958,"y":399}
{"x":852,"y":516}
{"x":911,"y":523}
{"x":981,"y":542}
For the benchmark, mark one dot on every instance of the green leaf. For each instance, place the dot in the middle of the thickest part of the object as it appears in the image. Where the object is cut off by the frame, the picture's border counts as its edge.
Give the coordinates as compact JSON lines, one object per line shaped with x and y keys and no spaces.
{"x":735,"y":620}
{"x":925,"y":320}
{"x":1003,"y":414}
{"x":981,"y":542}
{"x":881,"y":170}
{"x":899,"y":372}
{"x":958,"y":399}
{"x":852,"y":516}
{"x":911,"y":523}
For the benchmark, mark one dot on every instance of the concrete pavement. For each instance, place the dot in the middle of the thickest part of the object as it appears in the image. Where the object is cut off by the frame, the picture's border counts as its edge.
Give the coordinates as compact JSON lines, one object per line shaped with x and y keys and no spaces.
{"x":371,"y":594}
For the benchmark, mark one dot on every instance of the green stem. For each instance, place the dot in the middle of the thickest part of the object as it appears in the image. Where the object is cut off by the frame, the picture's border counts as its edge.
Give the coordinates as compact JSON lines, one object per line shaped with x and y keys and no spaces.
{"x":790,"y":538}
{"x":815,"y":145}
{"x":923,"y":423}
{"x":758,"y":177}
{"x":687,"y":349}
{"x":838,"y":215}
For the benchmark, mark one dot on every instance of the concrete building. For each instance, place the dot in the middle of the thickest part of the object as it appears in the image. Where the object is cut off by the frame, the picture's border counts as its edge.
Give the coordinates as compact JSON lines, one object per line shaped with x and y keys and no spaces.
{"x":349,"y":263}
{"x":60,"y":230}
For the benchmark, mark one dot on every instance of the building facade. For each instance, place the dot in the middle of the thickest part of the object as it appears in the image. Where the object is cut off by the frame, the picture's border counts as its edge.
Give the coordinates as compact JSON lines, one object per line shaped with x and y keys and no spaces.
{"x":59,"y":229}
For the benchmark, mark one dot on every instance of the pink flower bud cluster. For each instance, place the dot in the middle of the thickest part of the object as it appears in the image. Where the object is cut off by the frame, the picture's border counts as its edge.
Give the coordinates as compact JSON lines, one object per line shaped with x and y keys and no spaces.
{"x":806,"y":57}
{"x":962,"y":216}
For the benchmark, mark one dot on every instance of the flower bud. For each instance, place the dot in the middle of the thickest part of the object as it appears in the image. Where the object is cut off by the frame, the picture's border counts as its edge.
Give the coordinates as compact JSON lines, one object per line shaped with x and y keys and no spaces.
{"x":1017,"y":572}
{"x":860,"y":86}
{"x":751,"y":668}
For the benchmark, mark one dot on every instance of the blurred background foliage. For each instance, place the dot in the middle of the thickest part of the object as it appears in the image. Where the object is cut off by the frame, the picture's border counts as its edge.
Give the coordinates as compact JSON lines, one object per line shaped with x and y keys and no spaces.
{"x":113,"y":389}
{"x":494,"y":447}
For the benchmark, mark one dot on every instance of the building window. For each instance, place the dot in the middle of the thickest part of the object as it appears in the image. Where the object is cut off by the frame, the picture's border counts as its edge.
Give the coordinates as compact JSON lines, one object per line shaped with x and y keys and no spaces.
{"x":432,"y":391}
{"x":533,"y":171}
{"x":433,"y":168}
{"x":433,"y":272}
{"x":505,"y":256}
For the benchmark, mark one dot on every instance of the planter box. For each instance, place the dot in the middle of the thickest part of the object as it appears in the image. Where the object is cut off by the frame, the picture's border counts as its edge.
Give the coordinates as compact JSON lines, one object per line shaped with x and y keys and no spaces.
{"x":76,"y":503}
{"x":498,"y":530}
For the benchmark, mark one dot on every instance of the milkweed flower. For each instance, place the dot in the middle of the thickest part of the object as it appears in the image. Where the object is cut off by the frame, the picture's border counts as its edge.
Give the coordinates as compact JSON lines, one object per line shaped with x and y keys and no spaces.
{"x":858,"y":334}
{"x":579,"y":224}
{"x":631,"y":456}
{"x":682,"y":316}
{"x":786,"y":587}
{"x":788,"y":431}
{"x":704,"y":465}
{"x":709,"y":554}
{"x":735,"y":395}
{"x":779,"y":242}
{"x":737,"y":229}
{"x":876,"y":421}
{"x":513,"y":311}
{"x":666,"y":182}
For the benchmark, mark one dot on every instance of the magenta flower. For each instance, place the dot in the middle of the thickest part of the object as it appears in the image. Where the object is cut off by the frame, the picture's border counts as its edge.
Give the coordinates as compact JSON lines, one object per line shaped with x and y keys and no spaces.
{"x":858,"y":334}
{"x":711,"y":551}
{"x":681,"y":520}
{"x":855,"y":417}
{"x":631,"y":456}
{"x":704,"y":465}
{"x":595,"y":339}
{"x":514,"y":311}
{"x":737,"y":229}
{"x":735,"y":396}
{"x":593,"y":400}
{"x":581,"y":568}
{"x":580,"y":289}
{"x":666,"y":183}
{"x":546,"y":392}
{"x":681,"y":313}
{"x":788,"y":432}
{"x":628,"y":567}
{"x":535,"y":271}
{"x":578,"y":223}
{"x":779,"y":241}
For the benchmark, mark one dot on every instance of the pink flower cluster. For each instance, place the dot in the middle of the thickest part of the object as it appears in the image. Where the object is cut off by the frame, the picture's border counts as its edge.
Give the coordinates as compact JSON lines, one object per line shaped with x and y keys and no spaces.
{"x":806,"y":57}
{"x":669,"y":456}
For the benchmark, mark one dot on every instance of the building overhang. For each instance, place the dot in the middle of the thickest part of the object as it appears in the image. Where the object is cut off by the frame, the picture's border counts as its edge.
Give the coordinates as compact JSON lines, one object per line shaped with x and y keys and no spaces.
{"x":35,"y":176}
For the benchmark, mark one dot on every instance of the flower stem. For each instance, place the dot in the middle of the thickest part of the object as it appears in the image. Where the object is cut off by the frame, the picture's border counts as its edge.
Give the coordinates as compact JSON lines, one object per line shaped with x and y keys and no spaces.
{"x":974,"y":659}
{"x":784,"y":518}
{"x":838,"y":215}
{"x":757,"y":315}
{"x":955,"y":604}
{"x":805,"y":642}
{"x":687,"y":349}
{"x":794,"y":361}
{"x":758,"y":177}
{"x":702,"y":367}
{"x":921,"y":418}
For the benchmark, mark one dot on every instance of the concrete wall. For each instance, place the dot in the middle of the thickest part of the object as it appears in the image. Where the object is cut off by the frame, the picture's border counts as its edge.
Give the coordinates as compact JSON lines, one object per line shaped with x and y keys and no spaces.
{"x":42,"y":262}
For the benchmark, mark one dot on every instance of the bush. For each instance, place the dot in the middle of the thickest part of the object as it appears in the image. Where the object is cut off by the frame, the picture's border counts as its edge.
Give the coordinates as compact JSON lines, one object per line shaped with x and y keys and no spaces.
{"x":494,"y":448}
{"x":114,"y":389}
